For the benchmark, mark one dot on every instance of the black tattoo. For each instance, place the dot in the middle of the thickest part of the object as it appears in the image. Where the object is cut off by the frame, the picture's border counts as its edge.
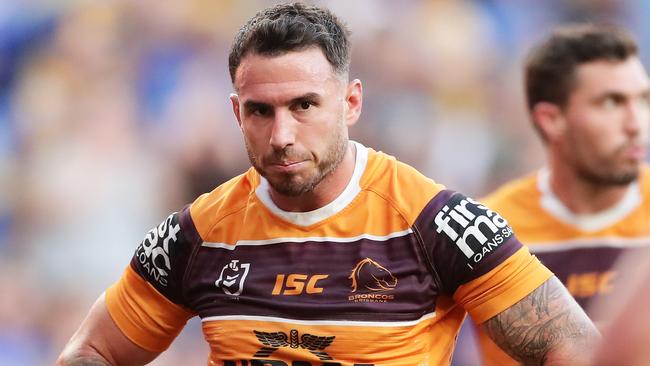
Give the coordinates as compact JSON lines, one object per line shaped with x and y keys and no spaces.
{"x":546,"y":319}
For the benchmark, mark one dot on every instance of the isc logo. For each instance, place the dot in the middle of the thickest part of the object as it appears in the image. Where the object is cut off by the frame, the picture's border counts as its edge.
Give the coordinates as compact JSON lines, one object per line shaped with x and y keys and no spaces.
{"x":590,"y":284}
{"x":296,"y":284}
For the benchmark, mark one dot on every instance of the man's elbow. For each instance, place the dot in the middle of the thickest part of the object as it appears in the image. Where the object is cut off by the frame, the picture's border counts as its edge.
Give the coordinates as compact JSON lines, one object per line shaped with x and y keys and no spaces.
{"x":81,"y":356}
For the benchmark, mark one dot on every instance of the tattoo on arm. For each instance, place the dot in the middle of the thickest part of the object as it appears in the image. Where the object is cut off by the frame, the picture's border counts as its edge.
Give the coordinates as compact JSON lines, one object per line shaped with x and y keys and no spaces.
{"x":548,"y":319}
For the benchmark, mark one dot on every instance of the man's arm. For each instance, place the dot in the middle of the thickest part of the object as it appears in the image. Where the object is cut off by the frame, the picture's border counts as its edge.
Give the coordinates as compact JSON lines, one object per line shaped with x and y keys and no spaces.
{"x":546,"y":327}
{"x":99,"y":342}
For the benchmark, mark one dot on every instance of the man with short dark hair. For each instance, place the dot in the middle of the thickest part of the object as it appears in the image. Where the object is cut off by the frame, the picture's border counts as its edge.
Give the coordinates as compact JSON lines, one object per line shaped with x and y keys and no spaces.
{"x":588,"y":95}
{"x":325,"y":252}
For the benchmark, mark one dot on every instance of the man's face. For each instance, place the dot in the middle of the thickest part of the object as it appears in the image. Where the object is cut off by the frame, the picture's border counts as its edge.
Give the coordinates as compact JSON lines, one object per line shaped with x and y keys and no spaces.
{"x":606,"y":121}
{"x":293,"y":113}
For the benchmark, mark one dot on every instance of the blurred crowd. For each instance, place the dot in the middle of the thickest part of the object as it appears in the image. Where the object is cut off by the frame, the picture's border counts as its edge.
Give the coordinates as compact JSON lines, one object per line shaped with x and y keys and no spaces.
{"x":114,"y":113}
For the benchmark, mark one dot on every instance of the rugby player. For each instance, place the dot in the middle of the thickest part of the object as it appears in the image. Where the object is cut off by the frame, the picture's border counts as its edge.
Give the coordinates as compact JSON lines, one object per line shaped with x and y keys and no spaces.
{"x":325,"y":252}
{"x":588,"y":96}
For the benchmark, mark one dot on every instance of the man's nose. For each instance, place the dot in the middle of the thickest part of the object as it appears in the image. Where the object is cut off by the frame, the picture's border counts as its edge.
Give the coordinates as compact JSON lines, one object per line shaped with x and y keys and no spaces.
{"x":637,"y":118}
{"x":283,"y":132}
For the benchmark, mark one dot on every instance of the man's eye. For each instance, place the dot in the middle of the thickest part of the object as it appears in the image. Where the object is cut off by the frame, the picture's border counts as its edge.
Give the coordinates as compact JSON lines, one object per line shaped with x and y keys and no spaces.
{"x":645,"y":99}
{"x":261,"y":111}
{"x":305,"y":105}
{"x":612,"y":102}
{"x":609,"y":103}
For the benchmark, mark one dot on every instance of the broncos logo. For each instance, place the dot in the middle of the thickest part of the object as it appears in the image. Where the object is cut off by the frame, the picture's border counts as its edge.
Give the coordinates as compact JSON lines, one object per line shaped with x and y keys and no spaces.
{"x":372,"y":276}
{"x":274,"y":340}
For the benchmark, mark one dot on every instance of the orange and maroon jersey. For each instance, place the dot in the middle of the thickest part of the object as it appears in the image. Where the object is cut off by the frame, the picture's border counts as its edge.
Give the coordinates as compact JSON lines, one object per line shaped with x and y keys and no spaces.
{"x":581,"y":250}
{"x":383,"y":275}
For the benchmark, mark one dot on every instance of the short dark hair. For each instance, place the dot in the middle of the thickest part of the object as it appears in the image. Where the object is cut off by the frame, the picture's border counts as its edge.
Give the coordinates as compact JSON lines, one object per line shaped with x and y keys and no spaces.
{"x":550,"y":67}
{"x":292,"y":27}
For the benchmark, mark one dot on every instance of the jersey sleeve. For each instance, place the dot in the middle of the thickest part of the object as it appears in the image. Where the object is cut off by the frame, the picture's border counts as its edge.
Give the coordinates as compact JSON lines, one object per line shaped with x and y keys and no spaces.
{"x":475,"y":256}
{"x":147,"y":303}
{"x":502,"y":287}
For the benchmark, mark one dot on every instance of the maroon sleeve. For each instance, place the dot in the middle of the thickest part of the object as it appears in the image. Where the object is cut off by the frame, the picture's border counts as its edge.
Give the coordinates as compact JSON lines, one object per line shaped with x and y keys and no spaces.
{"x":163,"y":257}
{"x":462,"y":238}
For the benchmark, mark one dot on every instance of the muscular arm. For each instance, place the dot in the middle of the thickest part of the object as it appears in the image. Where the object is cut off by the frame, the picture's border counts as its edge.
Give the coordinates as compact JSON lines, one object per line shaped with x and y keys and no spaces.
{"x":99,"y":342}
{"x":546,"y":327}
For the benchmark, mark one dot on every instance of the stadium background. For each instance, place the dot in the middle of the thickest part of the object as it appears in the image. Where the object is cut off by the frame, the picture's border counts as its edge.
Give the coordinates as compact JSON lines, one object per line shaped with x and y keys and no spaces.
{"x":115,"y":113}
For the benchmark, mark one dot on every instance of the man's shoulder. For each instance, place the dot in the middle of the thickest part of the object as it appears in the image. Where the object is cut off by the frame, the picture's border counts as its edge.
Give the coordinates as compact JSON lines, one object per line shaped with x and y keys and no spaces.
{"x":383,"y":169}
{"x":399,"y":183}
{"x":519,"y":192}
{"x":227,"y":199}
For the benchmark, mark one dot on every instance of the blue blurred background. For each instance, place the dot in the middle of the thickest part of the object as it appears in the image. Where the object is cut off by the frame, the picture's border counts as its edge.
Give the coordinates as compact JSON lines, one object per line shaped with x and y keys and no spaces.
{"x":114,"y":113}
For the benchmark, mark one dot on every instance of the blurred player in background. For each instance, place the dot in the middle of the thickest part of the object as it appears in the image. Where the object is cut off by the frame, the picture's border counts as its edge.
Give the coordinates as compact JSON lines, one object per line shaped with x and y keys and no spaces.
{"x":325,"y":251}
{"x":626,"y":340}
{"x":588,"y":96}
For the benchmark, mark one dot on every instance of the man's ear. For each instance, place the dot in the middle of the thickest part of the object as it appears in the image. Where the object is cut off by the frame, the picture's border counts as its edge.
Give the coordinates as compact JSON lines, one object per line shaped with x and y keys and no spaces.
{"x":550,"y":120}
{"x":234,"y":100}
{"x":353,"y":101}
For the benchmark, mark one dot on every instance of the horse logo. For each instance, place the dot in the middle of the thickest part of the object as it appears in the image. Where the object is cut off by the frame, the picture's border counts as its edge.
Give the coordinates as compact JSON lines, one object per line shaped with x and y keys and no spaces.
{"x":370,"y":276}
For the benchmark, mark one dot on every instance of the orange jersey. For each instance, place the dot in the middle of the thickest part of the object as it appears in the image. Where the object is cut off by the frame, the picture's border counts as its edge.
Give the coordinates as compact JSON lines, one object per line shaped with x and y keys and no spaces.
{"x":383,"y":275}
{"x":581,"y":250}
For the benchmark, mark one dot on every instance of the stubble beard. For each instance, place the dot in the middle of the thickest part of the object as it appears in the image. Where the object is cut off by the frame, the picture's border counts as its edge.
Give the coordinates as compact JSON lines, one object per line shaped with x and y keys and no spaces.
{"x":293,"y":185}
{"x":608,"y":175}
{"x":608,"y":178}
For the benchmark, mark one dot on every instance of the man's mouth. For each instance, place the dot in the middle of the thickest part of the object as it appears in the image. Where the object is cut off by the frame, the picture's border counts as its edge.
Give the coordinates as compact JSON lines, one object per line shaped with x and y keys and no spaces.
{"x":634,"y":152}
{"x":287,"y":166}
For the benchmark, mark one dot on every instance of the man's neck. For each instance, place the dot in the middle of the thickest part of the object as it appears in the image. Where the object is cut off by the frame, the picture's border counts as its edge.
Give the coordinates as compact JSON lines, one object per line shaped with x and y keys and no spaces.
{"x":581,"y":196}
{"x":325,"y":192}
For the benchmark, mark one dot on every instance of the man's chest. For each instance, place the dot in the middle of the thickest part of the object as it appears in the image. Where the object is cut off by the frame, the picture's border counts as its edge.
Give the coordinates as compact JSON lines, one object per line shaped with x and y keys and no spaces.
{"x":362,"y":279}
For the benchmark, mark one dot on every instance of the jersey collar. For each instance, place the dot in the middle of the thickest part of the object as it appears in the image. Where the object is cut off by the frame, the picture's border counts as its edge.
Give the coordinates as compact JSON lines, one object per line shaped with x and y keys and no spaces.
{"x":586,"y":222}
{"x":311,"y":217}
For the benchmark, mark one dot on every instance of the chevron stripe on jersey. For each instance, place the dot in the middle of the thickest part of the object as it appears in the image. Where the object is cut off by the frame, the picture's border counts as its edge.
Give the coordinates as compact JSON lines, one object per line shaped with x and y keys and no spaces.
{"x":375,"y":277}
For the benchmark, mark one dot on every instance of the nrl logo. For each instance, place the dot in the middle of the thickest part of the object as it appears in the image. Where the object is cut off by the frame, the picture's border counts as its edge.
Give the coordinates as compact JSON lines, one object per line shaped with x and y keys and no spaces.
{"x":233,"y":275}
